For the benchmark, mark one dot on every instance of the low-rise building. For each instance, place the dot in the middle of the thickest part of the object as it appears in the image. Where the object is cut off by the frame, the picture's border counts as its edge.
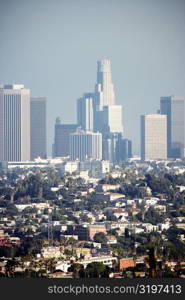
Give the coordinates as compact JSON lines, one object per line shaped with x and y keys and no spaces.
{"x":51,"y":252}
{"x":86,"y":232}
{"x":124,"y":263}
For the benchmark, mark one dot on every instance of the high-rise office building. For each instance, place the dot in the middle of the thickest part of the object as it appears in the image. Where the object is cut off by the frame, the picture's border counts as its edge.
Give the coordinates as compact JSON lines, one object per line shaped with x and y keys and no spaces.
{"x":153,"y":137}
{"x":85,"y":118}
{"x":38,"y":127}
{"x":111,"y":146}
{"x":112,"y":119}
{"x":174,"y":108}
{"x":126,"y":149}
{"x":123,"y":149}
{"x":61,"y":142}
{"x":14,"y":123}
{"x":85,"y":145}
{"x":108,"y":147}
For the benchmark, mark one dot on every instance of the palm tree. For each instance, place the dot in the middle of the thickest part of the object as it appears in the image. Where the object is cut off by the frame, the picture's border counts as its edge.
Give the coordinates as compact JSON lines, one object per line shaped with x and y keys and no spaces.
{"x":152,"y":262}
{"x":12,"y":193}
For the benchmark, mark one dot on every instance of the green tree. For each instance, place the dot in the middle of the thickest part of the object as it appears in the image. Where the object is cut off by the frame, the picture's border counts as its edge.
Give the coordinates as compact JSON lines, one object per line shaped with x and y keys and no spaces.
{"x":100,"y":237}
{"x":95,"y":270}
{"x":76,"y":269}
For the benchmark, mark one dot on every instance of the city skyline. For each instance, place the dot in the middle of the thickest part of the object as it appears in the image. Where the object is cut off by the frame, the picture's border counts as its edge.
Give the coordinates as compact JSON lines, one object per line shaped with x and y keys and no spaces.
{"x":99,"y":121}
{"x":143,"y":39}
{"x":23,"y":126}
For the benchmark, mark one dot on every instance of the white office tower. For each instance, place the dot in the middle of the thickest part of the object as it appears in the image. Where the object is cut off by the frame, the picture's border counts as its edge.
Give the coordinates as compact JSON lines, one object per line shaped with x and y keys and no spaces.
{"x":85,"y":145}
{"x":85,"y":112}
{"x":153,"y":137}
{"x":112,"y":119}
{"x":14,"y":123}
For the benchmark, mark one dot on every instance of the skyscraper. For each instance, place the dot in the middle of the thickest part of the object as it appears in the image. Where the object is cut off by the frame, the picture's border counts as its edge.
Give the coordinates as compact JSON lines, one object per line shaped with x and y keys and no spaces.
{"x":153,"y":137}
{"x":14,"y":123}
{"x":85,"y":145}
{"x":61,"y":143}
{"x":85,"y":118}
{"x":123,"y":149}
{"x":174,"y":108}
{"x":38,"y":127}
{"x":107,"y":115}
{"x":104,"y":94}
{"x":109,"y":146}
{"x":112,"y":119}
{"x":104,"y":89}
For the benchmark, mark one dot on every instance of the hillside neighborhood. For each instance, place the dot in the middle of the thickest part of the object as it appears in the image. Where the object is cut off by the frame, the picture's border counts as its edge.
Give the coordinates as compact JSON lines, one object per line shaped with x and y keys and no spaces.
{"x":66,"y":222}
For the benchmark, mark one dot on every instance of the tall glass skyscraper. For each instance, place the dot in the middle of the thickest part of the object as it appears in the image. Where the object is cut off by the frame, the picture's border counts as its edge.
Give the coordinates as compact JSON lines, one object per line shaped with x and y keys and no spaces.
{"x":104,"y":90}
{"x":107,"y":115}
{"x":14,"y":123}
{"x":104,"y":94}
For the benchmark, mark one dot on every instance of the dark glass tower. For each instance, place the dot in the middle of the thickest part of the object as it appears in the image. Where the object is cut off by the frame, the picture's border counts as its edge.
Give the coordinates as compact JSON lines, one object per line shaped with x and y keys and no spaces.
{"x":38,"y":127}
{"x":62,"y":133}
{"x":174,"y":108}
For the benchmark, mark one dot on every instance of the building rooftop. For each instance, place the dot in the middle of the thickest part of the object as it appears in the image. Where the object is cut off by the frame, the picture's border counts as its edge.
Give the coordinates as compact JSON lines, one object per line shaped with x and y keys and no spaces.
{"x":12,"y":86}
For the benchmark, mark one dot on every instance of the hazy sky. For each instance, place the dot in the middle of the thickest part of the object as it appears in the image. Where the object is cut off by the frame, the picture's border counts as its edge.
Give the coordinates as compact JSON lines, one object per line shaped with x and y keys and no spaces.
{"x":52,"y":46}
